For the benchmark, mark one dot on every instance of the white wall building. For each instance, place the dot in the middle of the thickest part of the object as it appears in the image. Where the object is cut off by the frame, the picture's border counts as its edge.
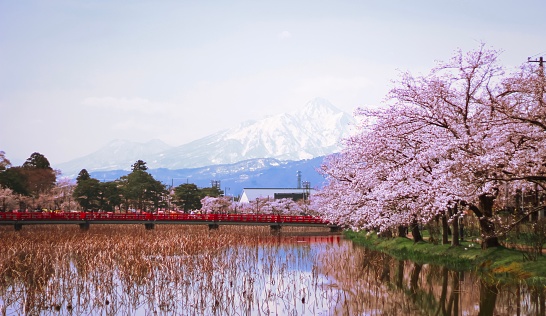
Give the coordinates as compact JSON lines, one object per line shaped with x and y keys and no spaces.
{"x":251,"y":194}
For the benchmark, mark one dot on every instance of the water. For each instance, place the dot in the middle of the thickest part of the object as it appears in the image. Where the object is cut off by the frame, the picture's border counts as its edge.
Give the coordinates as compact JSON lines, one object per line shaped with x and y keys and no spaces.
{"x":233,"y":271}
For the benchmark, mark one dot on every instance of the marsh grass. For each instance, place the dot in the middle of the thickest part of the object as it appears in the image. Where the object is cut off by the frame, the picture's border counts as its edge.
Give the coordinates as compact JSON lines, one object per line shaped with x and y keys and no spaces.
{"x":190,"y":270}
{"x":173,"y":269}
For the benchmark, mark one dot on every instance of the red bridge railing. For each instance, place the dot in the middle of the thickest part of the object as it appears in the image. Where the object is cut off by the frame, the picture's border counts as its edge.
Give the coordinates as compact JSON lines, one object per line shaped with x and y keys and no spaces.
{"x":129,"y":217}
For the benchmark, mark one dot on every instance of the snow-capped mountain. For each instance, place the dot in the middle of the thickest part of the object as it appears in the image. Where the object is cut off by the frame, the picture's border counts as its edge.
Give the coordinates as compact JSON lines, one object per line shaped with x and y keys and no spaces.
{"x":313,"y":131}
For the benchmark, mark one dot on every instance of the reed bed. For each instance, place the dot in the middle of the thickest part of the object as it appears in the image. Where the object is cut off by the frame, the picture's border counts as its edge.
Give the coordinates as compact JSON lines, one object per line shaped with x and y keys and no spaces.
{"x":183,"y":270}
{"x":191,"y":270}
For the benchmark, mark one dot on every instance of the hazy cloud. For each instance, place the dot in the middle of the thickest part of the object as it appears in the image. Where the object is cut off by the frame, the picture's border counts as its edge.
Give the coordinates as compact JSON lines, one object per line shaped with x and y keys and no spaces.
{"x":125,"y":104}
{"x":284,"y":35}
{"x":178,"y":71}
{"x":330,"y":84}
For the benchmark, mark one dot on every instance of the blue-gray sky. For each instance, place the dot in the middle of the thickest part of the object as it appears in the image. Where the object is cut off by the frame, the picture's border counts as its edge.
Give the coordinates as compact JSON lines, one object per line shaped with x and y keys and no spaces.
{"x":76,"y":74}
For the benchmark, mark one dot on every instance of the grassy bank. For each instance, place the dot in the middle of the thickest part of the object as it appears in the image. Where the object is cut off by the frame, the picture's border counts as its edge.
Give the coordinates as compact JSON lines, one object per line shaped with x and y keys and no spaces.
{"x":500,"y":264}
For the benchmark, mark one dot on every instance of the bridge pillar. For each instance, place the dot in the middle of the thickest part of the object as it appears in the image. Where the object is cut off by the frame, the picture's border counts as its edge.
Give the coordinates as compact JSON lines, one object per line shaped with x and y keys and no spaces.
{"x":149,"y":226}
{"x":335,"y":229}
{"x":213,"y":226}
{"x":84,"y":226}
{"x":18,"y":226}
{"x":275,"y":228}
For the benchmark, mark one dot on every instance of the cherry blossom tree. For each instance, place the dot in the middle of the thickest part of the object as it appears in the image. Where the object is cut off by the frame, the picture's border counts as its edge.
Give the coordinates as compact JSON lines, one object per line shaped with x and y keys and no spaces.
{"x":217,"y":205}
{"x":452,"y":111}
{"x":284,"y":206}
{"x":4,"y":162}
{"x":8,"y":200}
{"x":446,"y":141}
{"x":62,"y":195}
{"x":524,"y":108}
{"x":244,"y":208}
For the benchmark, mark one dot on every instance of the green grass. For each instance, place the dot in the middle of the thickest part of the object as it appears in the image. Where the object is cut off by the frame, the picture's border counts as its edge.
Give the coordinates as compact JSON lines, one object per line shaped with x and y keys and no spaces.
{"x":500,"y":264}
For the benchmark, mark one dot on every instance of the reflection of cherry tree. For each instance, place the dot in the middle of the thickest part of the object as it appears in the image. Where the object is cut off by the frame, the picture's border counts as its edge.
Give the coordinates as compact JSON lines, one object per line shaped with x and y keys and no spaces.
{"x":446,"y":142}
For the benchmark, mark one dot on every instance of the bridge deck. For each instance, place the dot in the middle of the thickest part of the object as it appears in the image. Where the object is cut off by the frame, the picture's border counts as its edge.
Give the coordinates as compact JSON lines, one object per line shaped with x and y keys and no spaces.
{"x":187,"y":219}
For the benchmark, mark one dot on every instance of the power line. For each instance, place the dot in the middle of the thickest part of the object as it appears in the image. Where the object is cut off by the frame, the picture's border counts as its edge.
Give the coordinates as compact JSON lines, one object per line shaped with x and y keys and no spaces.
{"x":540,"y":61}
{"x":537,"y":54}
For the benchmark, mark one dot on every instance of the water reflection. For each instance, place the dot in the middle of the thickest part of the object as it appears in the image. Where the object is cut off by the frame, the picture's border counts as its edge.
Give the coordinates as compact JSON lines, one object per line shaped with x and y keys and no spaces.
{"x":233,"y":271}
{"x":380,"y":285}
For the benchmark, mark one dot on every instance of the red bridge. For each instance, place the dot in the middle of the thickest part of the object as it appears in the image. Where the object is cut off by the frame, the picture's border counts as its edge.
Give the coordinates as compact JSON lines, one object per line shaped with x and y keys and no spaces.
{"x":85,"y":219}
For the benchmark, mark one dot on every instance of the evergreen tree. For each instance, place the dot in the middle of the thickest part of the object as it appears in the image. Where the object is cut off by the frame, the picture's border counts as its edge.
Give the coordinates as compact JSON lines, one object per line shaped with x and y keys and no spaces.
{"x":83,"y":175}
{"x":37,"y":160}
{"x":139,"y":165}
{"x":140,"y":189}
{"x":188,"y":196}
{"x":109,"y":196}
{"x":87,"y":192}
{"x":211,"y":192}
{"x":15,"y":179}
{"x":40,"y":177}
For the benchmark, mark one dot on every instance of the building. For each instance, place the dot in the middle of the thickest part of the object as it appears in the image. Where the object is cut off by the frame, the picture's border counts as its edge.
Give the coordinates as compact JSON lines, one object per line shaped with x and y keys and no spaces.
{"x":296,"y":194}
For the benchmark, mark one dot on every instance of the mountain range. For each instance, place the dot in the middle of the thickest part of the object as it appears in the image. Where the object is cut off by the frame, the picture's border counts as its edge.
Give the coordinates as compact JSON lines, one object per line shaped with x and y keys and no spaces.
{"x":313,"y":131}
{"x":253,"y":173}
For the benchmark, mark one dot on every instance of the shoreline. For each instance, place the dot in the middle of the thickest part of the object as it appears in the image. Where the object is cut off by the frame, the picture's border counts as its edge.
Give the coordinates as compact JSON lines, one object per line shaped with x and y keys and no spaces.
{"x":499,"y":265}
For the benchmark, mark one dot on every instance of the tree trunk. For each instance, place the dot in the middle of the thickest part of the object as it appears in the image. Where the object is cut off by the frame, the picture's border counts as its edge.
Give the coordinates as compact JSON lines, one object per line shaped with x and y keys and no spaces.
{"x":433,"y":228}
{"x":414,"y":278}
{"x":484,"y":212}
{"x":455,"y":224}
{"x":417,"y":237}
{"x":488,"y":298}
{"x":386,"y":274}
{"x":400,"y":275}
{"x":461,"y":229}
{"x":453,"y":307}
{"x":432,"y":237}
{"x":455,"y":237}
{"x":442,"y":309}
{"x":402,"y":231}
{"x":386,"y":234}
{"x":445,"y":230}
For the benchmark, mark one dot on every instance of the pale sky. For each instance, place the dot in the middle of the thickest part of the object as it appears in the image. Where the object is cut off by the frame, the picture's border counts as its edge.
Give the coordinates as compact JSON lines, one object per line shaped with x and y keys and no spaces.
{"x":75,"y":75}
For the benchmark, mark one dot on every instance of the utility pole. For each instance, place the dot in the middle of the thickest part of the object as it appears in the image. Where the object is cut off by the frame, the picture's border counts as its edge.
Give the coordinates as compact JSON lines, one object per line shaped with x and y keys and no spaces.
{"x":540,"y":62}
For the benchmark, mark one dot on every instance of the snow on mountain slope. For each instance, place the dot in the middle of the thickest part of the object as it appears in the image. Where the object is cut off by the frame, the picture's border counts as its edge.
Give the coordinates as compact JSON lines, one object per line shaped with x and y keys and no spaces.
{"x":312,"y":131}
{"x":315,"y":130}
